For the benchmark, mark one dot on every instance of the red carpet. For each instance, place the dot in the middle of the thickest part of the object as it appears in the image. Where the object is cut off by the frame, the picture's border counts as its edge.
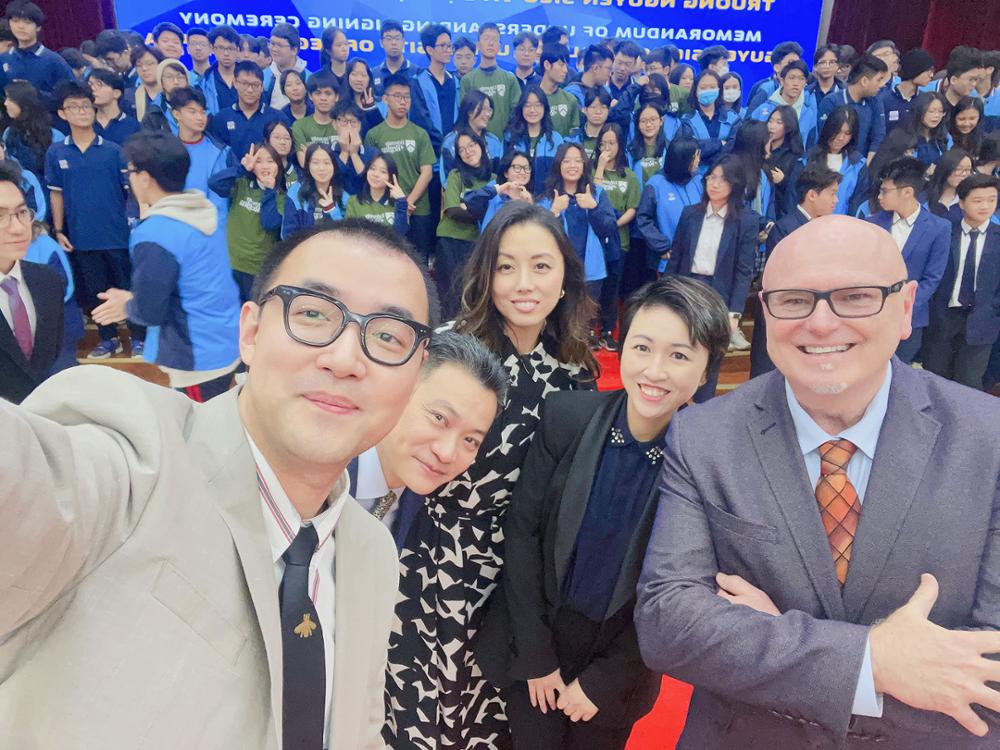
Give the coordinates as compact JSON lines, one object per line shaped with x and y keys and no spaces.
{"x":661,"y":728}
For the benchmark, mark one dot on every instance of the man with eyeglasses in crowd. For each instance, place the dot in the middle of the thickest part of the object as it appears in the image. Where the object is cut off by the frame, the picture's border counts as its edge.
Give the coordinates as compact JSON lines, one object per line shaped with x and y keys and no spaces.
{"x":200,"y":50}
{"x":824,"y":562}
{"x":393,"y":44}
{"x":146,"y":535}
{"x":242,"y":125}
{"x":31,"y":297}
{"x":284,"y":46}
{"x":219,"y":82}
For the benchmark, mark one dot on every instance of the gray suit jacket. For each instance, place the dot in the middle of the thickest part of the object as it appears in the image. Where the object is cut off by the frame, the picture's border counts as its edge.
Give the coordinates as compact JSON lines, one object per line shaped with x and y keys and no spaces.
{"x":735,"y":498}
{"x":138,"y":601}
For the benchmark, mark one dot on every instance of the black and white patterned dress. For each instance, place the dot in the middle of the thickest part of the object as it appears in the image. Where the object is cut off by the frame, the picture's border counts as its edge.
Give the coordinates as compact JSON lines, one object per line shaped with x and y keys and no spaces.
{"x":436,"y":695}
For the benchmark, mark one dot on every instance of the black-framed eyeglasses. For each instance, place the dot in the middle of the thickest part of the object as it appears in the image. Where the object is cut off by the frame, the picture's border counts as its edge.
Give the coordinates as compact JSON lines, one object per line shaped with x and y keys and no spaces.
{"x":317,"y":319}
{"x":846,"y":302}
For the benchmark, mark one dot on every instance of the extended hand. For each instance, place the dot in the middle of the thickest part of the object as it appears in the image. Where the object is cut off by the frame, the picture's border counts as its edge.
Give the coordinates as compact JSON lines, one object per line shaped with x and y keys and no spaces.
{"x":575,"y":704}
{"x":542,"y":691}
{"x":932,"y":668}
{"x":740,"y":591}
{"x":586,"y":199}
{"x":112,"y":310}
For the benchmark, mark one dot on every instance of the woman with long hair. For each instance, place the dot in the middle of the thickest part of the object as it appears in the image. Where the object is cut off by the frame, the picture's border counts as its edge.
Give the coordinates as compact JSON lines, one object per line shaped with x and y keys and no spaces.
{"x":524,"y":296}
{"x":709,"y":122}
{"x":29,"y":133}
{"x":278,"y":135}
{"x":966,"y":125}
{"x":531,"y":131}
{"x":665,"y":196}
{"x":649,"y":144}
{"x":380,"y":199}
{"x":732,"y":93}
{"x":474,"y":113}
{"x":727,"y":264}
{"x":784,"y":148}
{"x":293,"y":86}
{"x":559,"y":631}
{"x":317,"y":197}
{"x":513,"y":183}
{"x":836,"y":149}
{"x":750,"y":145}
{"x":941,"y":193}
{"x":334,"y":52}
{"x":458,"y":228}
{"x":928,"y":121}
{"x":359,"y":87}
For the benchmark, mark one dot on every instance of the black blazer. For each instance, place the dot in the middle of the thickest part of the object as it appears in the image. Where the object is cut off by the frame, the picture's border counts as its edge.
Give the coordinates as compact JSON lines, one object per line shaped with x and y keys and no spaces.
{"x":18,"y":376}
{"x":540,"y":530}
{"x":735,"y":260}
{"x":983,"y":323}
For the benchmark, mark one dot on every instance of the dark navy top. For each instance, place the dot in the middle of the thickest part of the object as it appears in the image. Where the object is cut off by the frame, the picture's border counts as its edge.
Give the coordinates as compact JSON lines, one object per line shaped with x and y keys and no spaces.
{"x":119,"y":129}
{"x":40,"y":67}
{"x":623,"y":481}
{"x":93,"y":189}
{"x":238,"y":131}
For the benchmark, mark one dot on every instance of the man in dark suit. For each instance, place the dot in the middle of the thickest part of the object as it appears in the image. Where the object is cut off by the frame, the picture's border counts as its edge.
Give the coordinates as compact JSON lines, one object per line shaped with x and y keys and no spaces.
{"x":824,"y":566}
{"x":923,"y":239}
{"x":965,"y":311}
{"x":816,"y":192}
{"x":461,"y":390}
{"x":31,"y":297}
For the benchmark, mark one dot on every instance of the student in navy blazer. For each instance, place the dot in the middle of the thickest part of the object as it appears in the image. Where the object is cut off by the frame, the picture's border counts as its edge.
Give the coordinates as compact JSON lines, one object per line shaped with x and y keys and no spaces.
{"x":716,"y":241}
{"x":924,"y":239}
{"x":965,"y":310}
{"x":462,"y":387}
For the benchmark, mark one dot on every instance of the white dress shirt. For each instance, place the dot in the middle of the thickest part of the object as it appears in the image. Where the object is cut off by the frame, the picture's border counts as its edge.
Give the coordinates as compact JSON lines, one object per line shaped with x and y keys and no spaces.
{"x":282,"y":523}
{"x":902,"y":227}
{"x":963,"y":250}
{"x":864,"y":434}
{"x":372,"y":486}
{"x":835,"y":161}
{"x":22,"y":289}
{"x":706,"y":252}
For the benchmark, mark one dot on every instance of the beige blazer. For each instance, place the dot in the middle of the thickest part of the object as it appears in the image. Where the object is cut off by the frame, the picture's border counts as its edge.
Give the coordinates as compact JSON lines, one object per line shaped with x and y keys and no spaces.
{"x":138,"y":602}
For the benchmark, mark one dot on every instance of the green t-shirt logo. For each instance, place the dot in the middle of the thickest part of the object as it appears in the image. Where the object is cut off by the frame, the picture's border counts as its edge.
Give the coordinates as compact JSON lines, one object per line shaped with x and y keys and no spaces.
{"x":562,"y":109}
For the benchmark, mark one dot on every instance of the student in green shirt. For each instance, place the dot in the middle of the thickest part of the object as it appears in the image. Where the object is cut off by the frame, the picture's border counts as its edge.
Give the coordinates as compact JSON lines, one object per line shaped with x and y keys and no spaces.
{"x":278,"y":135}
{"x":257,"y":179}
{"x":649,"y":145}
{"x":380,"y":199}
{"x":563,"y":106}
{"x":458,"y":228}
{"x":319,"y":126}
{"x":597,"y":105}
{"x":501,"y":86}
{"x":410,"y":146}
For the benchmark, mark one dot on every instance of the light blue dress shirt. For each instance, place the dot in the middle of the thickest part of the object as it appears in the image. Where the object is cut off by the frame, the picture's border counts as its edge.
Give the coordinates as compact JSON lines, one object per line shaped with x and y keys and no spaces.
{"x":864,"y":434}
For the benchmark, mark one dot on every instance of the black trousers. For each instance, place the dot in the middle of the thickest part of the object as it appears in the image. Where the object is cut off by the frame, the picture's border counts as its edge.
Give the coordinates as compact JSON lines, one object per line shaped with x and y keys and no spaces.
{"x":533,"y":730}
{"x":947,"y":354}
{"x":608,"y":298}
{"x":97,"y":271}
{"x":448,"y":264}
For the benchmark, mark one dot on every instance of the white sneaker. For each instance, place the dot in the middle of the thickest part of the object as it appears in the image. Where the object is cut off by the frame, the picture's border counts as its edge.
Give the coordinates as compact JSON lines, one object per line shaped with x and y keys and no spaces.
{"x":738,"y":342}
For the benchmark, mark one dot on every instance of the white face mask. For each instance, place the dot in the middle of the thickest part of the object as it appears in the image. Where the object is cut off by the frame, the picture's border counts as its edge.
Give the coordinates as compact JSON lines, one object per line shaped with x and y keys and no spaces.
{"x":724,"y":71}
{"x":730,"y":95}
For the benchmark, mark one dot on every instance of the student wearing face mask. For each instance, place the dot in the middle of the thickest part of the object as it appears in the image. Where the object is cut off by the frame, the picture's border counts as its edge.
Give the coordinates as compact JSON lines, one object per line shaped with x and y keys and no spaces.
{"x":715,"y":58}
{"x":732,"y":93}
{"x":710,"y":123}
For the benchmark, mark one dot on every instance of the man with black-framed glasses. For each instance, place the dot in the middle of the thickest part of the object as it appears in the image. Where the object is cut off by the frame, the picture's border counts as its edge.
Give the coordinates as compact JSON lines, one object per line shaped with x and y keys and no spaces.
{"x":158,"y":556}
{"x":823,"y":565}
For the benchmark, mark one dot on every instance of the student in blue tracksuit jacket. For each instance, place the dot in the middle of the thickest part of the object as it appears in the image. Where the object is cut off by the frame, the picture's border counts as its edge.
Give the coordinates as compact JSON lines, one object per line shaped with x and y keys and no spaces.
{"x":208,"y":155}
{"x":836,"y":150}
{"x":318,"y":196}
{"x":474,"y":112}
{"x":652,"y":133}
{"x":715,"y":242}
{"x":709,"y":122}
{"x":531,"y":131}
{"x":782,"y":54}
{"x":513,"y":183}
{"x":435,"y":90}
{"x":219,"y":82}
{"x":665,"y":196}
{"x":182,"y":288}
{"x":823,"y":80}
{"x":926,"y":120}
{"x":45,"y":250}
{"x":924,"y":239}
{"x":586,"y":213}
{"x":867,"y":77}
{"x":941,"y":196}
{"x":792,"y":93}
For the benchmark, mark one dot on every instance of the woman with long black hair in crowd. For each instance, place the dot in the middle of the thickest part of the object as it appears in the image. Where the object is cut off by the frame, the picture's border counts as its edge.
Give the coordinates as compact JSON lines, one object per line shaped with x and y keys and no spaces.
{"x":531,"y":131}
{"x":317,"y":197}
{"x":359,"y":88}
{"x":559,"y":636}
{"x":716,"y":242}
{"x":293,"y":86}
{"x":649,"y":142}
{"x":928,"y":121}
{"x":525,"y":298}
{"x":941,"y":194}
{"x":380,"y":199}
{"x":784,"y":149}
{"x":966,"y":125}
{"x":29,"y":132}
{"x":710,"y":123}
{"x":474,"y":113}
{"x":513,"y":182}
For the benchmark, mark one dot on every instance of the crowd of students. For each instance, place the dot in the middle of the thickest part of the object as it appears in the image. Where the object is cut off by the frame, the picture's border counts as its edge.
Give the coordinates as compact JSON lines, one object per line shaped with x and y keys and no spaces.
{"x":540,"y":196}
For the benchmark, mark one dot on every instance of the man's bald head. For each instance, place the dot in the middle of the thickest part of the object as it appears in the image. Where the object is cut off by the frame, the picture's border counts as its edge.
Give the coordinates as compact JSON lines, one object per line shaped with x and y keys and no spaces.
{"x":831,"y":360}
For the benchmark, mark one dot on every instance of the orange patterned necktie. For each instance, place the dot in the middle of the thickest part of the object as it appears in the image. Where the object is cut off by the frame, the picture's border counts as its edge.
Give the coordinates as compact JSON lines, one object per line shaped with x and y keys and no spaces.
{"x":839,"y":506}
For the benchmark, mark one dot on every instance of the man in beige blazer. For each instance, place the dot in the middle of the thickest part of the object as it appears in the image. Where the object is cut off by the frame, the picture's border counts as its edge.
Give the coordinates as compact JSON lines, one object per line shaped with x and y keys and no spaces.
{"x":139,"y":594}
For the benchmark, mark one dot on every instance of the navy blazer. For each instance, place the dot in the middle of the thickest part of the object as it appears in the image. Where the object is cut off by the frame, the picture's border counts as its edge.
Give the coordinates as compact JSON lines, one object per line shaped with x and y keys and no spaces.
{"x":734,"y":263}
{"x":925,"y":254}
{"x":18,"y":375}
{"x":983,"y":323}
{"x":407,"y":506}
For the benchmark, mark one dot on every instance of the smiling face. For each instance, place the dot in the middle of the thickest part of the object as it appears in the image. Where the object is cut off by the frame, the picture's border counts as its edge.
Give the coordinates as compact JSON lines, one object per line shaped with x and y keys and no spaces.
{"x":295,"y":89}
{"x":479,"y":118}
{"x":266,"y":168}
{"x":468,"y":150}
{"x":170,"y":45}
{"x":320,"y":406}
{"x":378,"y":174}
{"x":966,"y":120}
{"x":650,"y":123}
{"x":281,"y":140}
{"x":358,"y":78}
{"x":441,"y":430}
{"x":825,"y":355}
{"x":14,"y":240}
{"x":571,"y":167}
{"x":661,"y":367}
{"x":979,"y":205}
{"x":963,"y":170}
{"x":519,"y":171}
{"x":933,"y":115}
{"x":321,"y":167}
{"x":533,"y":110}
{"x":528,"y":279}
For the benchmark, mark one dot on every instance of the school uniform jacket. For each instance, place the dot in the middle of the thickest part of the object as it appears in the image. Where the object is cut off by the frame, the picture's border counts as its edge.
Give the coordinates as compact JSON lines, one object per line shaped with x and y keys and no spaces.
{"x":983,"y":323}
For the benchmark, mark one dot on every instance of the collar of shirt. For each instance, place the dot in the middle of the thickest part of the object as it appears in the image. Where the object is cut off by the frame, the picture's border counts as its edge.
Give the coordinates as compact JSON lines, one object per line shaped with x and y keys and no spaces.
{"x":626,"y":438}
{"x":16,"y":273}
{"x":371,"y":480}
{"x":864,"y":433}
{"x":968,"y":228}
{"x":98,"y":141}
{"x":721,"y":213}
{"x":261,"y":106}
{"x":908,"y":220}
{"x":281,"y":520}
{"x":35,"y":49}
{"x":805,"y":213}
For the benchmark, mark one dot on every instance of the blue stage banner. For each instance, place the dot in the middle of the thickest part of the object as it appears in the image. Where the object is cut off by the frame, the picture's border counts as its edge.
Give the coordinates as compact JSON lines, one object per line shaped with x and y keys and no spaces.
{"x":748,"y":28}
